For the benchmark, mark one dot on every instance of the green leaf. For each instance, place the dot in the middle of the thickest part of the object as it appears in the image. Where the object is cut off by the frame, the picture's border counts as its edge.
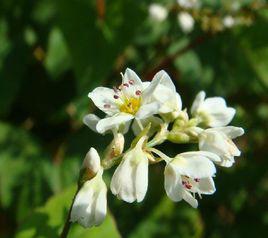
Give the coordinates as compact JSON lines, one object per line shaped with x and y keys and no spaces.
{"x":95,"y":42}
{"x":254,"y":43}
{"x":16,"y":151}
{"x":48,"y":221}
{"x":57,"y":59}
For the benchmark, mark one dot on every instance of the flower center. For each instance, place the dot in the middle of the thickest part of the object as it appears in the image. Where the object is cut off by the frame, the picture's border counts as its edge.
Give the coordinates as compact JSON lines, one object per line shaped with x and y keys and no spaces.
{"x":128,"y":97}
{"x":130,"y":105}
{"x":189,"y":183}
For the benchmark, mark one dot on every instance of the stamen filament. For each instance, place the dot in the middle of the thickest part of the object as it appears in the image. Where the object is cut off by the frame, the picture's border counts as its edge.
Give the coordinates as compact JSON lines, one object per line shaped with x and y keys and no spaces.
{"x":161,"y":154}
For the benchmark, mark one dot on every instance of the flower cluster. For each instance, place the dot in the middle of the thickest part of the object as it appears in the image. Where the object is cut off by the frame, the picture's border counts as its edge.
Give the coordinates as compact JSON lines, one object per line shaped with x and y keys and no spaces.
{"x":153,"y":110}
{"x":190,"y":12}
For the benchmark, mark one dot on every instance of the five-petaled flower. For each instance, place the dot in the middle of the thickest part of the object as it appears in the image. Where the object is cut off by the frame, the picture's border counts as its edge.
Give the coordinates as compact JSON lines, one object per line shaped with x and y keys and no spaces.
{"x":219,"y":141}
{"x":132,"y":99}
{"x":188,"y":174}
{"x":213,"y":111}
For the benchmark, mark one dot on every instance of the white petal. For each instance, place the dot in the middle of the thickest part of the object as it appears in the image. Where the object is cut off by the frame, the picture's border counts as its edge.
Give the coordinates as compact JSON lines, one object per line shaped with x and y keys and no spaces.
{"x":199,"y":99}
{"x":190,"y":199}
{"x":91,"y":121}
{"x":122,"y":183}
{"x":128,"y":176}
{"x":217,"y":142}
{"x":231,"y":131}
{"x":213,"y":103}
{"x":209,"y":155}
{"x":101,"y":206}
{"x":147,"y":95}
{"x":222,"y":117}
{"x":103,"y":98}
{"x":227,"y":162}
{"x":113,"y":122}
{"x":165,"y":80}
{"x":131,"y":75}
{"x":92,"y":160}
{"x":147,"y":110}
{"x":173,"y":183}
{"x":82,"y":211}
{"x":206,"y":186}
{"x":145,"y":84}
{"x":141,"y":179}
{"x":194,"y":166}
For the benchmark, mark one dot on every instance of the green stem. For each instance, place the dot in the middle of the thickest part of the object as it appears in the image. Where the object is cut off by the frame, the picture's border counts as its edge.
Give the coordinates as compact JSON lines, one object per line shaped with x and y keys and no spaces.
{"x":68,"y":223}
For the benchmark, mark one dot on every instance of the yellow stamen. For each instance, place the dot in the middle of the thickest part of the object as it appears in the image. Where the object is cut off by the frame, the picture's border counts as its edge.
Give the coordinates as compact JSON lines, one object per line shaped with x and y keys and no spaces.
{"x":130,"y":105}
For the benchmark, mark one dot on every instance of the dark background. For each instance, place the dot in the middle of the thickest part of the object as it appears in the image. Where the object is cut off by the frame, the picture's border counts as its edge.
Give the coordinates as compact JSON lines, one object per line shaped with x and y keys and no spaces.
{"x":52,"y":53}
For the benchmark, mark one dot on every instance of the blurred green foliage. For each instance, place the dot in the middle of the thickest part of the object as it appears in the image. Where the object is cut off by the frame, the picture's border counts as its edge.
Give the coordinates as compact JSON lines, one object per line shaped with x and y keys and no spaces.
{"x":52,"y":53}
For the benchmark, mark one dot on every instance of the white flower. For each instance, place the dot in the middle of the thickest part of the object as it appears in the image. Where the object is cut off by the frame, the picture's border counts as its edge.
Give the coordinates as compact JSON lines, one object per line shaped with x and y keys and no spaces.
{"x":212,"y":111}
{"x":165,"y":93}
{"x":219,"y":141}
{"x":228,"y":21}
{"x":132,"y":99}
{"x":130,"y":179}
{"x":189,"y":174}
{"x":158,"y":12}
{"x":90,"y":204}
{"x":189,"y":3}
{"x":186,"y":21}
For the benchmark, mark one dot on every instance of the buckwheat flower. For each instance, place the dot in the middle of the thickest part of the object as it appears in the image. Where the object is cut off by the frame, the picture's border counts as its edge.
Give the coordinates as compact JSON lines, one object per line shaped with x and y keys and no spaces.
{"x":89,"y":207}
{"x":132,"y":99}
{"x":219,"y":141}
{"x":158,"y":12}
{"x":186,"y":22}
{"x":189,"y":3}
{"x":130,"y":179}
{"x":212,"y":111}
{"x":228,"y":21}
{"x":189,"y":174}
{"x":165,"y":93}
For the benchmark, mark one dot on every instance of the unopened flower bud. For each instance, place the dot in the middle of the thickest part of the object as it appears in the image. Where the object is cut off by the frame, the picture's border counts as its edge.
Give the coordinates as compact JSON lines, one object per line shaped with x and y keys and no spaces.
{"x":92,"y":161}
{"x":182,"y":119}
{"x":178,"y":137}
{"x":117,"y":145}
{"x":90,"y":167}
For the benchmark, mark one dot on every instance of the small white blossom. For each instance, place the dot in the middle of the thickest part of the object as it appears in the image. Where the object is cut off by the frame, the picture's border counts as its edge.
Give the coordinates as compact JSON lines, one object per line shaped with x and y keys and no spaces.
{"x":186,"y":21}
{"x":189,"y":3}
{"x":90,"y":204}
{"x":158,"y":12}
{"x":130,"y":179}
{"x":165,"y":93}
{"x":132,"y":99}
{"x":212,"y":111}
{"x":189,"y":174}
{"x":228,"y":21}
{"x":219,"y":141}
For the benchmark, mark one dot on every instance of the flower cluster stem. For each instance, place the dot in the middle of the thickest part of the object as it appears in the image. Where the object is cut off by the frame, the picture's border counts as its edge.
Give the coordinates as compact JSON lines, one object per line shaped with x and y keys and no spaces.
{"x":68,"y":223}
